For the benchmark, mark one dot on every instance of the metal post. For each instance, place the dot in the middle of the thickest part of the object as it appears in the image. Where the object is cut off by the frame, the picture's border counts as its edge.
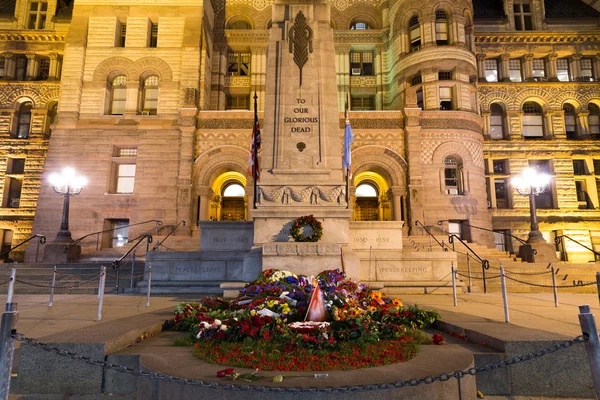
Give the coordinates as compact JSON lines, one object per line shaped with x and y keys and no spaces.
{"x":7,"y":347}
{"x":592,"y":345}
{"x":11,"y":286}
{"x":453,"y":284}
{"x":100,"y":282}
{"x":504,"y":295}
{"x":149,"y":285}
{"x":483,"y":277}
{"x":469,"y":271}
{"x":51,"y":299}
{"x":97,"y":241}
{"x":598,"y":284}
{"x":554,"y":288}
{"x":132,"y":268}
{"x":101,"y":296}
{"x":430,"y":249}
{"x":37,"y":250}
{"x":117,"y":283}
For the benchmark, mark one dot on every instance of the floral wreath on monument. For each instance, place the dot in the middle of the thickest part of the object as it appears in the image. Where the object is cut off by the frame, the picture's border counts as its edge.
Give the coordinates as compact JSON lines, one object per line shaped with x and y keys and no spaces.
{"x":307,"y":220}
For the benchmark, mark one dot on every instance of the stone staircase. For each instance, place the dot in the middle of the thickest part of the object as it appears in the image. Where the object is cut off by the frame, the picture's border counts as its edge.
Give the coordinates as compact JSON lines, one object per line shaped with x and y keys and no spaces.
{"x":531,"y":273}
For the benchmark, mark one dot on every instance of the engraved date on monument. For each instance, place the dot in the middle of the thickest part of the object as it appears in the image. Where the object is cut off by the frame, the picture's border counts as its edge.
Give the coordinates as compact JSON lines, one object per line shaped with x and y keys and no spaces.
{"x":223,"y":239}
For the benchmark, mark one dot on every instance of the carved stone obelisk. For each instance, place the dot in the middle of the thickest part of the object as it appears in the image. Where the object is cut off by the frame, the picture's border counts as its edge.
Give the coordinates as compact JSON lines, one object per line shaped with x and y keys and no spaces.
{"x":301,"y":157}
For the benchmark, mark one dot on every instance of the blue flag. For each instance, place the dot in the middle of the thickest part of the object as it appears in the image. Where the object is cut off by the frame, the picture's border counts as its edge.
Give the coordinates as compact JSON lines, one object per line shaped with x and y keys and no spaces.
{"x":348,"y":139}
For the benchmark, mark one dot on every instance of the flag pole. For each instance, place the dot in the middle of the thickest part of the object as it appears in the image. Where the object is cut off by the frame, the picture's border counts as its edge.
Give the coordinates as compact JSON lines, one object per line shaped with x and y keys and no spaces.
{"x":347,"y":172}
{"x":254,"y":144}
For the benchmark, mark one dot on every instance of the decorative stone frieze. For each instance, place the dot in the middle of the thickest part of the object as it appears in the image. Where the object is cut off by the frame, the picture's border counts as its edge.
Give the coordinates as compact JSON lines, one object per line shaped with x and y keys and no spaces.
{"x":311,"y":195}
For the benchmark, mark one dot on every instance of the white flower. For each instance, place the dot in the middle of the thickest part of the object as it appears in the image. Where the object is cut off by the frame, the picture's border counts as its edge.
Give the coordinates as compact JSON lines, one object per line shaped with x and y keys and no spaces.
{"x":204,"y":325}
{"x":224,"y":328}
{"x":199,"y":335}
{"x":217,"y":322}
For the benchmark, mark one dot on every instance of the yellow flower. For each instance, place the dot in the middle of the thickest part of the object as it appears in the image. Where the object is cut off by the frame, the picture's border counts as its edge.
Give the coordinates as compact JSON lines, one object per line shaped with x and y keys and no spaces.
{"x":376,"y":295}
{"x":397,"y":302}
{"x":252,"y":312}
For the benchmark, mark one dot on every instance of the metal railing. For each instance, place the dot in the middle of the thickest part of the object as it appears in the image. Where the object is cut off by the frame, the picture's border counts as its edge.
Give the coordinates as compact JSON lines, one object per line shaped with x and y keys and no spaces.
{"x":518,"y":239}
{"x":160,"y":242}
{"x":77,"y":241}
{"x":41,"y":240}
{"x":559,"y":240}
{"x":431,"y":236}
{"x":117,"y":263}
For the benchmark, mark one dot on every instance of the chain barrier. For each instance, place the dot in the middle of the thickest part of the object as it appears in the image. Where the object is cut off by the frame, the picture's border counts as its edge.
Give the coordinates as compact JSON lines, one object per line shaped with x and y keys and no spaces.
{"x":5,"y":282}
{"x":477,"y":277}
{"x":57,"y":286}
{"x":458,"y":374}
{"x":552,"y":286}
{"x":527,"y":273}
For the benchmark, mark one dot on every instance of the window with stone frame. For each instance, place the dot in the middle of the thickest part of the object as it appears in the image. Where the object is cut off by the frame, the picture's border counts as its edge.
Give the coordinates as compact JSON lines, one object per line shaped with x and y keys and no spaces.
{"x":238,"y":102}
{"x":44,"y":63}
{"x":362,"y":102}
{"x":570,"y":121}
{"x":150,"y":95}
{"x":15,"y":166}
{"x":583,"y":199}
{"x":238,"y":64}
{"x":445,"y":98}
{"x":416,"y":80}
{"x":532,"y":121}
{"x":2,"y":66}
{"x":514,"y":70}
{"x":361,"y":63}
{"x":445,"y":75}
{"x":501,"y":193}
{"x":544,"y":199}
{"x":579,"y":167}
{"x":562,"y":70}
{"x":491,"y":69}
{"x":153,"y":42}
{"x":500,"y":167}
{"x":121,"y":34}
{"x":414,"y":33}
{"x":586,"y":70}
{"x":20,"y":67}
{"x":123,"y":170}
{"x":497,"y":121}
{"x":594,"y":120}
{"x":118,"y":97}
{"x":441,"y":28}
{"x":23,"y":120}
{"x":539,"y":69}
{"x":12,"y":192}
{"x":360,"y":25}
{"x":453,"y":180}
{"x":36,"y":15}
{"x":523,"y":15}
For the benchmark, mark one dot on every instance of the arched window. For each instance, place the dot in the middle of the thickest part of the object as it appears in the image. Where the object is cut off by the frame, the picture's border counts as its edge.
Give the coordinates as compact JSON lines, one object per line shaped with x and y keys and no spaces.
{"x":367,"y":203}
{"x":150,"y":95}
{"x":239,"y":25}
{"x":594,"y":120}
{"x":360,"y":25}
{"x":570,"y":121}
{"x":233,"y":207}
{"x":441,"y":28}
{"x":23,"y":120}
{"x":118,"y":95}
{"x":453,"y":180}
{"x":533,"y":121}
{"x":414,"y":30}
{"x":497,"y":119}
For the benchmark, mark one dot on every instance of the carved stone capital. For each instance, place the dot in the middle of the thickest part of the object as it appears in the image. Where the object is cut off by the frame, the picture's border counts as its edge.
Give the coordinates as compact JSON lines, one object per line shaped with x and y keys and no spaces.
{"x":481,"y":57}
{"x":31,"y":56}
{"x":7,"y":55}
{"x":504,"y":57}
{"x":552,"y":56}
{"x":53,"y":56}
{"x":528,"y":57}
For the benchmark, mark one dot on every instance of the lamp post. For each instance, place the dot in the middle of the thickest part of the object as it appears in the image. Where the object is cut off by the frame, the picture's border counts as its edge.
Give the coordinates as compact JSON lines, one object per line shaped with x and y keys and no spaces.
{"x":68,"y":184}
{"x":531,"y":183}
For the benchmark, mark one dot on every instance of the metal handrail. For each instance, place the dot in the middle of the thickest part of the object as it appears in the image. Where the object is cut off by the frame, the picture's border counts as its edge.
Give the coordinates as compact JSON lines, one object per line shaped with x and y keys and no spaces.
{"x":417,"y":223}
{"x":158,"y":223}
{"x":441,"y":221}
{"x":116,"y":263}
{"x":558,"y":240}
{"x":451,"y":236}
{"x":166,"y":237}
{"x":41,"y":240}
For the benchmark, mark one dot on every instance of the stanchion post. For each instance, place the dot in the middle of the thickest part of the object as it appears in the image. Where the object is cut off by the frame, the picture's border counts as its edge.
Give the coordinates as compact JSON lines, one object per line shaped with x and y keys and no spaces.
{"x":51,"y":299}
{"x":101,"y":295}
{"x":149,"y":285}
{"x":598,"y":284}
{"x":469,"y":271}
{"x":554,"y":287}
{"x":592,"y":345}
{"x":483,"y":277}
{"x":132,"y":270}
{"x":453,"y":284}
{"x":11,"y":286}
{"x":504,"y":295}
{"x":7,"y":347}
{"x":430,"y":244}
{"x":117,"y":283}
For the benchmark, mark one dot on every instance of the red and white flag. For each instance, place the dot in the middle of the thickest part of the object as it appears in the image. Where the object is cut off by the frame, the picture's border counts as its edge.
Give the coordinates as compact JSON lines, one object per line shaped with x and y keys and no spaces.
{"x":316,"y":307}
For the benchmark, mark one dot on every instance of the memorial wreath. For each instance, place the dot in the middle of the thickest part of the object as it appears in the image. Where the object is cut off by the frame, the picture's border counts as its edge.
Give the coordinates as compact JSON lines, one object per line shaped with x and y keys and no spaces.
{"x":307,"y":220}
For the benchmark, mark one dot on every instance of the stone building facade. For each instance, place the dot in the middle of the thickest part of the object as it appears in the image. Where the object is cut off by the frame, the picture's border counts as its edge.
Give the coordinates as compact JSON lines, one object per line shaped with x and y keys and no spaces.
{"x":447,"y":101}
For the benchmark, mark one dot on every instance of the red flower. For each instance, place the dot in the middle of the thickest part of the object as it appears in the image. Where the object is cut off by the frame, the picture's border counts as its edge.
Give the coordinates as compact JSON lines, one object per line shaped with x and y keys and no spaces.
{"x":437,"y":339}
{"x":224,"y":372}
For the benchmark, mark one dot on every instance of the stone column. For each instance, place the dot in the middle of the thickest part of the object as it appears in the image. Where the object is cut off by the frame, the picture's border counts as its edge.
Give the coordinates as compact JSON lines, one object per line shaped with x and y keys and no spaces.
{"x":378,"y":70}
{"x":504,"y":70}
{"x":575,"y":66}
{"x":486,"y":124}
{"x":481,"y":67}
{"x":583,"y":124}
{"x":385,"y":13}
{"x":342,"y":57}
{"x":528,"y":67}
{"x":9,"y":66}
{"x":557,"y":124}
{"x":222,"y":74}
{"x":548,"y":131}
{"x":515,"y":119}
{"x":427,"y":31}
{"x":551,"y":67}
{"x":205,"y":194}
{"x":31,"y":72}
{"x":53,"y":74}
{"x":596,"y":65}
{"x":397,"y":193}
{"x":257,"y":77}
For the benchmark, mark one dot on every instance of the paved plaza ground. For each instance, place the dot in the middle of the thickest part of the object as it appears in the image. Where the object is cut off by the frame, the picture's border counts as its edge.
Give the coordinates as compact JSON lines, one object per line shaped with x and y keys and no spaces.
{"x":536,"y":311}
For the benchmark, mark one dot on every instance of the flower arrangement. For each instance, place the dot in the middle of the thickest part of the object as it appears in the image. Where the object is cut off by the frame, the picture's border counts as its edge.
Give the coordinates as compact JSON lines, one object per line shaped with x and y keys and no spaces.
{"x":307,"y":220}
{"x":264,"y":327}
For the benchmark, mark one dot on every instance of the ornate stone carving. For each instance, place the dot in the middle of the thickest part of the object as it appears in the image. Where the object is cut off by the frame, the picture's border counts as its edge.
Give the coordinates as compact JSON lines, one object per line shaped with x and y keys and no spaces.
{"x":300,"y":41}
{"x":237,"y":81}
{"x":312,"y":195}
{"x":283,"y":249}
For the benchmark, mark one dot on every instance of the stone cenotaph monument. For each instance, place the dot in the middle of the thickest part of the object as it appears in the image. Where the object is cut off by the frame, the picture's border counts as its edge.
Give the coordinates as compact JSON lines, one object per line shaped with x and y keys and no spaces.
{"x":301,"y":157}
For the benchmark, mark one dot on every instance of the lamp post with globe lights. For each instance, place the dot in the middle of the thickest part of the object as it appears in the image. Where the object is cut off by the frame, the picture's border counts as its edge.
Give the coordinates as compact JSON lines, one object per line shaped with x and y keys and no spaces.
{"x":532,"y":183}
{"x":68,"y":184}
